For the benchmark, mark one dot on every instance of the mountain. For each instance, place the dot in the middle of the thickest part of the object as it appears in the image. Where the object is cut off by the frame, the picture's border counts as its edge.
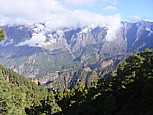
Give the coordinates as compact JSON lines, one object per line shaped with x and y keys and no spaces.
{"x":63,"y":56}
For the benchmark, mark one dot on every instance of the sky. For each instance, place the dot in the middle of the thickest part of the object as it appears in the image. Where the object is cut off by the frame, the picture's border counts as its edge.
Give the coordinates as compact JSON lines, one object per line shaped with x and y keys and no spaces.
{"x":130,"y":10}
{"x":75,"y":12}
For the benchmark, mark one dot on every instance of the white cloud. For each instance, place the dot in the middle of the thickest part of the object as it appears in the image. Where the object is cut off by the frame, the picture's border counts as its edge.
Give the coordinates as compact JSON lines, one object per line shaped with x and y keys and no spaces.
{"x":55,"y":15}
{"x":113,"y":27}
{"x":135,"y":18}
{"x":32,"y":10}
{"x":110,"y":8}
{"x":37,"y":40}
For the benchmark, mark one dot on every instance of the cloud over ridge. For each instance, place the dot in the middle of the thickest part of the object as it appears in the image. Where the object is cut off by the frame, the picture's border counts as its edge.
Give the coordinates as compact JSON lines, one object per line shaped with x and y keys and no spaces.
{"x":54,"y":14}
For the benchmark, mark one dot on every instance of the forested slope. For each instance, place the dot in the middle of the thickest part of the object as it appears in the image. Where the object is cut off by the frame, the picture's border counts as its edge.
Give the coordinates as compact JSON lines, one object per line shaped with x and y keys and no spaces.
{"x":19,"y":95}
{"x":129,"y":92}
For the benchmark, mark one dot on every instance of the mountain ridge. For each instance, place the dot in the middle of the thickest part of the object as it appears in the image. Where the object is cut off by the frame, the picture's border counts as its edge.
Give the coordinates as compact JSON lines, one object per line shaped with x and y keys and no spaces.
{"x":38,"y":51}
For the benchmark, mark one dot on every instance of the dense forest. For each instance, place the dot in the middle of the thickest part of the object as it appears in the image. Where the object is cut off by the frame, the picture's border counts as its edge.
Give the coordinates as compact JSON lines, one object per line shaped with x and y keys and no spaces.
{"x":127,"y":92}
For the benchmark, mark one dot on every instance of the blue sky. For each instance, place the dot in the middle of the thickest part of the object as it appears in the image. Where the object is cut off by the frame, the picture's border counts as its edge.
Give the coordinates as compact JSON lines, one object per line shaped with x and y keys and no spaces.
{"x":131,"y":10}
{"x":140,"y":8}
{"x":75,"y":12}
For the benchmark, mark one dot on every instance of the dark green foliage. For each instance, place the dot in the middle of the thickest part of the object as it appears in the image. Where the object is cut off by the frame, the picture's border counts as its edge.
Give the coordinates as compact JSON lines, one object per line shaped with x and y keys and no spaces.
{"x":2,"y":35}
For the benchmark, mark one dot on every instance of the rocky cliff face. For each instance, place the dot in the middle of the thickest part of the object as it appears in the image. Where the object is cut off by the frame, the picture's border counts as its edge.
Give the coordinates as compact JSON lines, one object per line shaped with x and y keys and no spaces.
{"x":35,"y":50}
{"x":138,"y":35}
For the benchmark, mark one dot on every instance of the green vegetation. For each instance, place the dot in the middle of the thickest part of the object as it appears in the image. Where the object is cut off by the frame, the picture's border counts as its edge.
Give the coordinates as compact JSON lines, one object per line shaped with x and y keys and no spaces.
{"x":2,"y":35}
{"x":129,"y":92}
{"x":19,"y":96}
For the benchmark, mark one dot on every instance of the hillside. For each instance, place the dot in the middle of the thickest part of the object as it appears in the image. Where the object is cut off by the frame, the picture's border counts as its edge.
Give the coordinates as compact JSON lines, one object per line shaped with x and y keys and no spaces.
{"x":129,"y":92}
